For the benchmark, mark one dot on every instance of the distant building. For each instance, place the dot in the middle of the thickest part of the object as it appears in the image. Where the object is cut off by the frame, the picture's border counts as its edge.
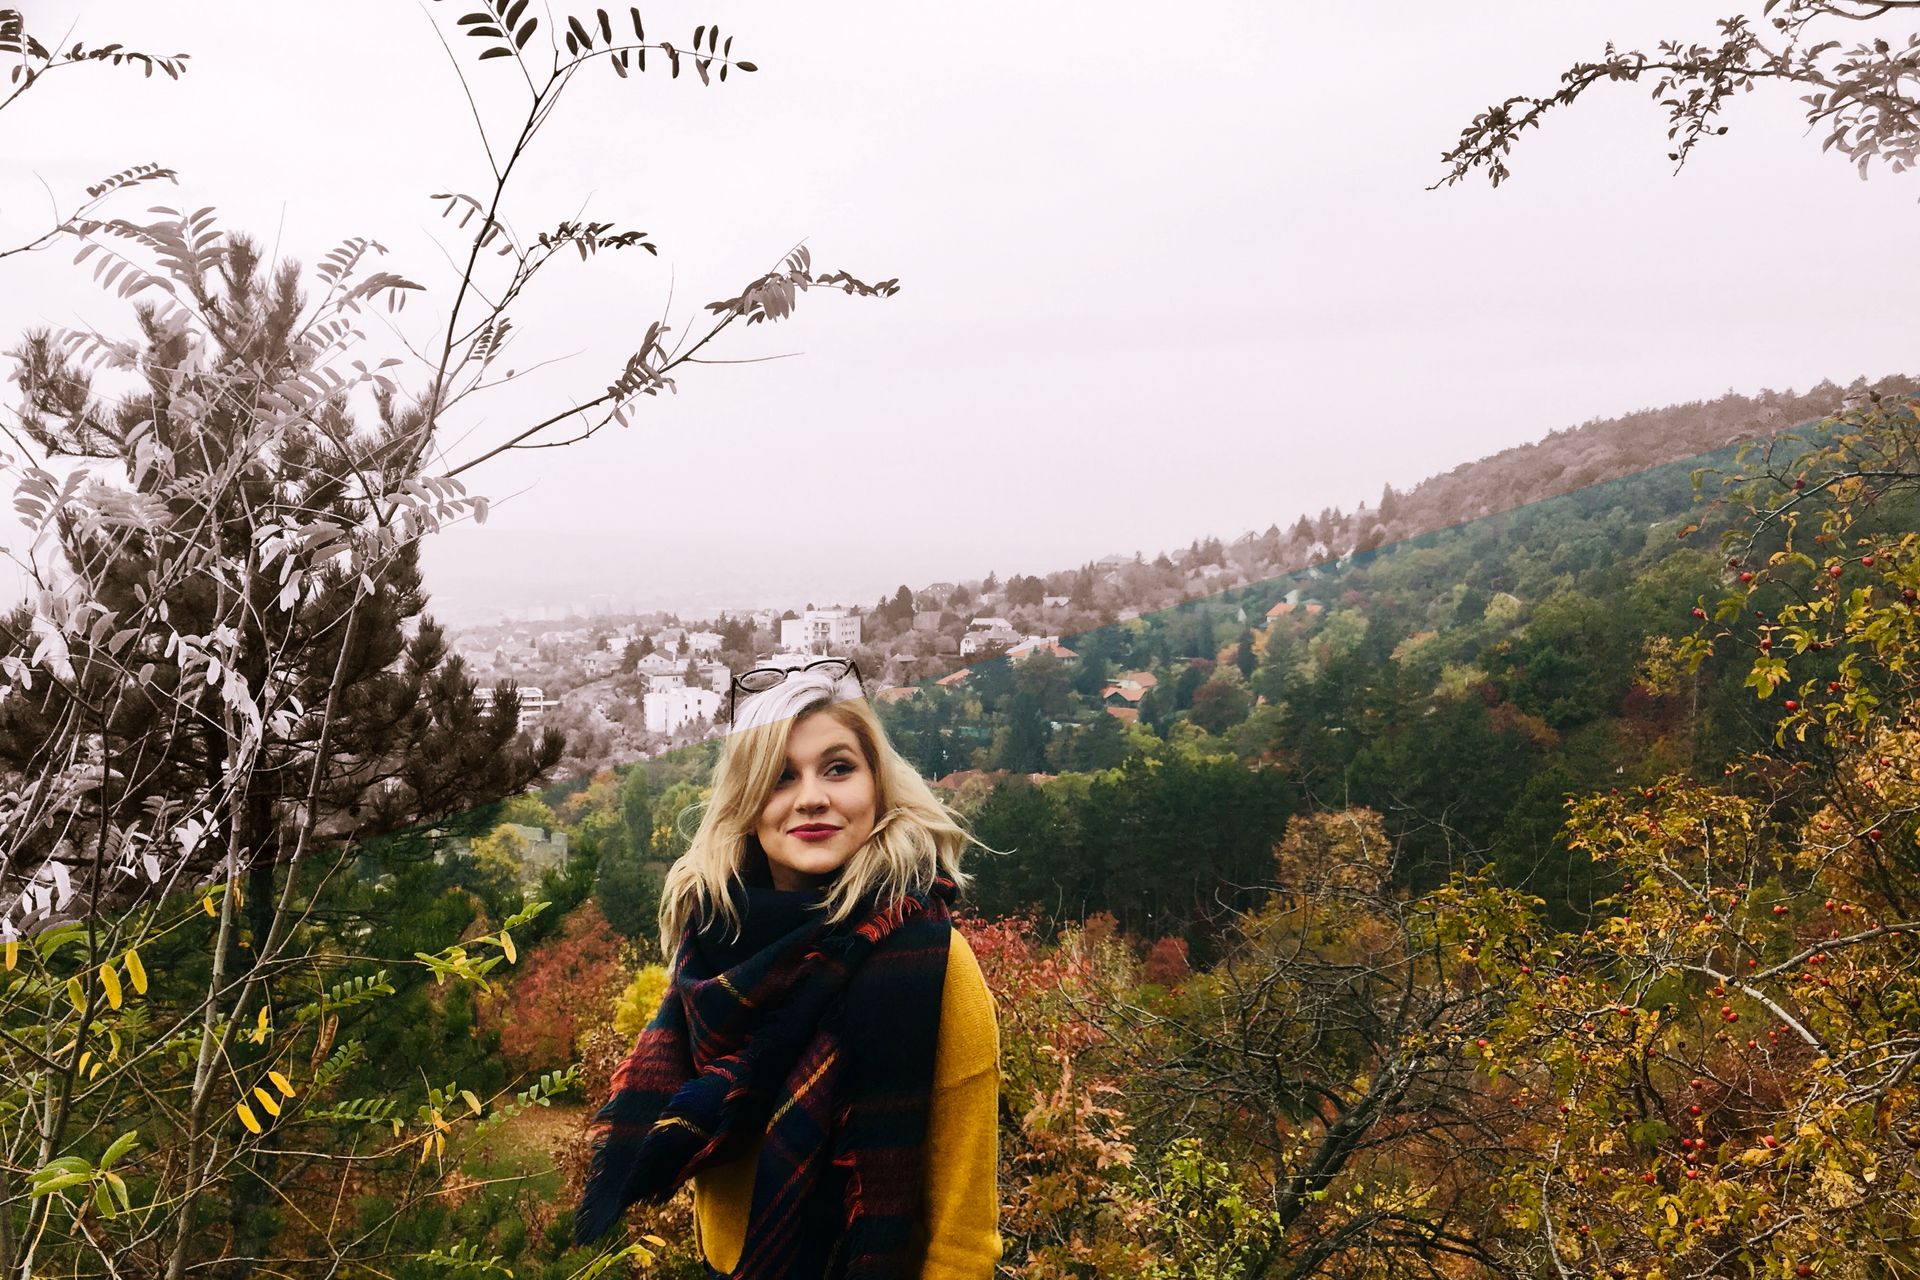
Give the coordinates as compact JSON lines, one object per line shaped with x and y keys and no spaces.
{"x":543,"y":849}
{"x":703,"y":642}
{"x":820,"y":631}
{"x":661,"y":671}
{"x":1036,"y":644}
{"x":983,"y":633}
{"x":670,"y":710}
{"x":533,"y":704}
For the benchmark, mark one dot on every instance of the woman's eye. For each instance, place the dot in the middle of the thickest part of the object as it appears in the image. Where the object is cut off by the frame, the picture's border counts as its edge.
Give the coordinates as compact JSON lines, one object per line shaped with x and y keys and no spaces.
{"x":839,"y":768}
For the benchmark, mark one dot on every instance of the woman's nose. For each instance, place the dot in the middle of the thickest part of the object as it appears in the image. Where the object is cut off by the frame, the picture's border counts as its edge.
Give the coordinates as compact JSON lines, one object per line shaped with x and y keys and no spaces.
{"x":811,"y":795}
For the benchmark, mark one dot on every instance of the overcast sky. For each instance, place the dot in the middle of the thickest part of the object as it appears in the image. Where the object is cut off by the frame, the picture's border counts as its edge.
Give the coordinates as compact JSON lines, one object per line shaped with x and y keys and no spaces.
{"x":1167,"y":271}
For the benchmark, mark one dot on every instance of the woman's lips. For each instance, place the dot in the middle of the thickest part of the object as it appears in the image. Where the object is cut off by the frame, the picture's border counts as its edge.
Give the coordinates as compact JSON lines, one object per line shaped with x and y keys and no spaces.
{"x":813,"y":833}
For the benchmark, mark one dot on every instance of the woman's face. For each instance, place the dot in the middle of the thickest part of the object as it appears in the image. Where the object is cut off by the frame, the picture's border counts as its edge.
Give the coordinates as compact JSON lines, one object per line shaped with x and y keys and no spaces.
{"x":822,"y":807}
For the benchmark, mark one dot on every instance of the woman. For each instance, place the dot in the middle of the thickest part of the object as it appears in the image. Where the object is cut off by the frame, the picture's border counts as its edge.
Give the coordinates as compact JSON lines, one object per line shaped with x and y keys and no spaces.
{"x":824,"y":1068}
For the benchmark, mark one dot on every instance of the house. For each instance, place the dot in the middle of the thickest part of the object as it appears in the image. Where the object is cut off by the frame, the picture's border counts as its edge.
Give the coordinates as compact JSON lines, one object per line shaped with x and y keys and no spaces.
{"x":899,"y":693}
{"x":984,"y":632}
{"x":704,"y":642}
{"x":1055,"y":602}
{"x":540,"y":849}
{"x":600,"y":662}
{"x":1038,"y":644}
{"x":820,"y":631}
{"x":1295,"y":599}
{"x":1125,"y":690}
{"x":953,"y":678}
{"x":670,"y":710}
{"x":661,"y":671}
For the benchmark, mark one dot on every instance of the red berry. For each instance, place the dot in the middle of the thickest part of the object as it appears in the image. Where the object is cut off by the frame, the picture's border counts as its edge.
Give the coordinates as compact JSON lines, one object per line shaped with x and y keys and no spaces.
{"x":1867,"y":561}
{"x":1780,"y":909}
{"x":1698,"y":612}
{"x":1874,"y":835}
{"x":1746,"y":575}
{"x":1835,"y":571}
{"x":1771,"y":1141}
{"x":1798,"y":485}
{"x":1791,"y":705}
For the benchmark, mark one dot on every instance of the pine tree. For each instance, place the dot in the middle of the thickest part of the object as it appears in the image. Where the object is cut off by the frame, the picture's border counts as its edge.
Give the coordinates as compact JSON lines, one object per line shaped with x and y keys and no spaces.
{"x":389,"y":734}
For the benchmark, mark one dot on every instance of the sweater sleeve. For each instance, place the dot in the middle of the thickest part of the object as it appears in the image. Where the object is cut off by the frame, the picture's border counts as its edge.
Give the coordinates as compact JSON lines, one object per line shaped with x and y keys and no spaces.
{"x":963,"y":1135}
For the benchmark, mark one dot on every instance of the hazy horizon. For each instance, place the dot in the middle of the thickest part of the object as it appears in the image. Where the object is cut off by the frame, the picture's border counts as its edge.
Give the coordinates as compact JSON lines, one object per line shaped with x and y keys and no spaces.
{"x":1160,"y":281}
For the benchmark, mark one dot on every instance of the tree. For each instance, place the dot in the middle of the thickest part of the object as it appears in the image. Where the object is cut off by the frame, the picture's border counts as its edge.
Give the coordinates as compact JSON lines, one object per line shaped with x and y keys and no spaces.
{"x":1729,"y":1047}
{"x":223,"y":686}
{"x":1856,"y":88}
{"x":1322,"y":1053}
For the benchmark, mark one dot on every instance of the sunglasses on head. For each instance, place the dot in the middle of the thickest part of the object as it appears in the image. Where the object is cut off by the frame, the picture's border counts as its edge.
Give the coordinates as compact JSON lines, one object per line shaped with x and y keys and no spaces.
{"x":760,"y":679}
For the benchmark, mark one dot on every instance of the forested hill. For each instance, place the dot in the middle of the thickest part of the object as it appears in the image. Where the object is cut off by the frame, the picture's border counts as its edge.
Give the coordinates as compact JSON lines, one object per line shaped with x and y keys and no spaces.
{"x":1461,"y":682}
{"x":1596,"y":451}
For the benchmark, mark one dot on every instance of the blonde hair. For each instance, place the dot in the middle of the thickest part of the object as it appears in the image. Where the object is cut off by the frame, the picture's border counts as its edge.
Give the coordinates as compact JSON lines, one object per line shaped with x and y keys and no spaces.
{"x":915,"y":834}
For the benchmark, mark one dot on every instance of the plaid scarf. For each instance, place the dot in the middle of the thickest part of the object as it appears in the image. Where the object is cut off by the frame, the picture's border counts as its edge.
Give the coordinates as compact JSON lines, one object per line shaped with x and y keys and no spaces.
{"x":787,"y":1032}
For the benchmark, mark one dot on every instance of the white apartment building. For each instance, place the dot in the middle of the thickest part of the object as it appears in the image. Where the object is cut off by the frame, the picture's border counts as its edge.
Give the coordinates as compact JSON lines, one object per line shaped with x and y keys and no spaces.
{"x":669,"y":710}
{"x":820,"y":631}
{"x":533,"y":704}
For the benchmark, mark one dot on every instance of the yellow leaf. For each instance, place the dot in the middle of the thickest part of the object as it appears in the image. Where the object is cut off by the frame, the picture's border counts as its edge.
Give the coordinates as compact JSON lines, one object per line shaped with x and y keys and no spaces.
{"x":111,"y":981}
{"x":85,"y":1058}
{"x":280,"y":1082}
{"x":426,"y":1147}
{"x":267,"y":1101}
{"x":206,"y":904}
{"x":94,"y":1074}
{"x":473,"y":1103}
{"x":260,"y":1027}
{"x":13,"y":952}
{"x":506,"y":945}
{"x":75,"y":994}
{"x":136,"y":971}
{"x":239,"y":898}
{"x":247,"y":1117}
{"x":1673,"y":1214}
{"x":655,"y":1241}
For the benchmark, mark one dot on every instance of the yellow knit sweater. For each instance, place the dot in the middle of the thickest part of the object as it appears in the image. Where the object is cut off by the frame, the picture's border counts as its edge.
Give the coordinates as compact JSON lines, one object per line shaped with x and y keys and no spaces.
{"x":960,"y":1237}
